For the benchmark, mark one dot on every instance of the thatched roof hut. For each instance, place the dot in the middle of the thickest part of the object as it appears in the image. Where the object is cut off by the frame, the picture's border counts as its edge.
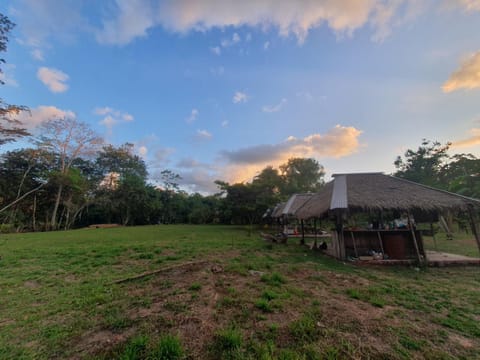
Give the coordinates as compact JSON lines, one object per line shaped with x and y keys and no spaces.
{"x":379,"y":192}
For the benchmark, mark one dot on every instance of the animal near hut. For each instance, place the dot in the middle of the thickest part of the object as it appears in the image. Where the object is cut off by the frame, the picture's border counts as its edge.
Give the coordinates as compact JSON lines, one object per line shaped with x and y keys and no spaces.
{"x":382,"y":199}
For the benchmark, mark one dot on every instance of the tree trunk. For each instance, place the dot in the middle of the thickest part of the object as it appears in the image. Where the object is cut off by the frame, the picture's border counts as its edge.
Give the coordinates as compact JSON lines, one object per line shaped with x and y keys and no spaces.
{"x":34,"y":212}
{"x":53,"y":221}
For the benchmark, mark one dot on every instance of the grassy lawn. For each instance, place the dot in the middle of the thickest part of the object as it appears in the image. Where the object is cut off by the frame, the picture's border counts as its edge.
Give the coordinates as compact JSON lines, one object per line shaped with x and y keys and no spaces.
{"x":222,"y":295}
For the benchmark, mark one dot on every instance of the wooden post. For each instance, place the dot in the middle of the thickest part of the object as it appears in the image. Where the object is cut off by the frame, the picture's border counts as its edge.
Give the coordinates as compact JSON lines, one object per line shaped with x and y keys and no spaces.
{"x":433,"y":236}
{"x":315,"y":231}
{"x":354,"y":245}
{"x":473,"y":224}
{"x":415,"y":243}
{"x":341,"y":239}
{"x":381,"y":243}
{"x":302,"y":242}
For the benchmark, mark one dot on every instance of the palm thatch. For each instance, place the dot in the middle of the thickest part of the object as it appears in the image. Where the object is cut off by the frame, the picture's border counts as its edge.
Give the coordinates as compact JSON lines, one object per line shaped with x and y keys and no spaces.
{"x":277,"y":210}
{"x":379,"y":192}
{"x":295,"y":202}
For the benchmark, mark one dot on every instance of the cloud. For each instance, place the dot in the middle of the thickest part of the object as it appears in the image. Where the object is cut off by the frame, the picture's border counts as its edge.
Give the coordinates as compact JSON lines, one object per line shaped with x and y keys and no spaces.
{"x":266,"y":45}
{"x":42,"y":113}
{"x":162,"y":156}
{"x":132,"y":19}
{"x":307,"y":95}
{"x":243,"y":164}
{"x":229,"y":42}
{"x":466,"y":77}
{"x":274,"y":108}
{"x":203,"y":135}
{"x":192,"y":117}
{"x":471,"y":141}
{"x":37,"y":54}
{"x":469,"y":5}
{"x":112,"y":117}
{"x":239,"y":97}
{"x":225,"y":123}
{"x":7,"y":75}
{"x":217,"y":71}
{"x":54,"y":79}
{"x":40,"y":22}
{"x":216,"y":50}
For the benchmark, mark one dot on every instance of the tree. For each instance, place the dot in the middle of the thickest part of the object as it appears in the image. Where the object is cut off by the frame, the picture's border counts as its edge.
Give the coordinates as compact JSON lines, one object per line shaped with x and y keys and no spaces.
{"x":69,"y":139}
{"x":462,"y":175}
{"x":423,"y":165}
{"x":10,"y":127}
{"x":301,"y":175}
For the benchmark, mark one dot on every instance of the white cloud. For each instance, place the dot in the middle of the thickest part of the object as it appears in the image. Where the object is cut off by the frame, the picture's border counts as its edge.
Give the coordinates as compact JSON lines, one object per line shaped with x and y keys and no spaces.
{"x":274,"y":108}
{"x":217,"y":71}
{"x":239,"y":97}
{"x":192,"y":117}
{"x":112,"y":117}
{"x":229,"y":42}
{"x":41,"y":21}
{"x":42,"y":113}
{"x":216,"y":50}
{"x":133,"y":18}
{"x":307,"y":95}
{"x":466,"y":77}
{"x":7,"y":75}
{"x":467,"y":5}
{"x":37,"y":54}
{"x":203,"y":135}
{"x":266,"y":45}
{"x":225,"y":123}
{"x":248,"y":37}
{"x":54,"y":79}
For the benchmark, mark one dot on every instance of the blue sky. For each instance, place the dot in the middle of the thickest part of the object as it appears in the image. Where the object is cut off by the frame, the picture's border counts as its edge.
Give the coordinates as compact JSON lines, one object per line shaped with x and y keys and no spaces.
{"x":220,"y":89}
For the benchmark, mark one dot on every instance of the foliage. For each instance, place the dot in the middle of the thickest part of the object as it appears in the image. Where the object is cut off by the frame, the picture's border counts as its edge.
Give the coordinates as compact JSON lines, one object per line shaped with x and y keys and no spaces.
{"x":10,"y":128}
{"x":424,"y":164}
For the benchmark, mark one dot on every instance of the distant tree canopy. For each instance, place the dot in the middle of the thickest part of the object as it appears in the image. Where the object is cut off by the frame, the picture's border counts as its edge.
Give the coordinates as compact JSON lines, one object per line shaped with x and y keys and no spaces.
{"x":431,"y":165}
{"x":247,"y":202}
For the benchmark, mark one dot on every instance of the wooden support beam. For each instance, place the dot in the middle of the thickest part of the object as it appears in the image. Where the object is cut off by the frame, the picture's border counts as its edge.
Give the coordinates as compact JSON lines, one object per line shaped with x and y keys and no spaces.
{"x":433,"y":236}
{"x":315,"y":245}
{"x":473,"y":224}
{"x":354,"y":245}
{"x":381,"y":243}
{"x":302,"y":241}
{"x":415,"y":243}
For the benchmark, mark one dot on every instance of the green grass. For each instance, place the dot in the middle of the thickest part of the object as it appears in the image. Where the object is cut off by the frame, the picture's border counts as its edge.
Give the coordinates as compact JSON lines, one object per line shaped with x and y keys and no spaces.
{"x":59,"y":299}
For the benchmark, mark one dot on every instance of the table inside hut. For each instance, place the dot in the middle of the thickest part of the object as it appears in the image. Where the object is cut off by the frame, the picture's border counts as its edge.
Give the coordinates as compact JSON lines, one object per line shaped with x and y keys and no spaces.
{"x":395,"y":244}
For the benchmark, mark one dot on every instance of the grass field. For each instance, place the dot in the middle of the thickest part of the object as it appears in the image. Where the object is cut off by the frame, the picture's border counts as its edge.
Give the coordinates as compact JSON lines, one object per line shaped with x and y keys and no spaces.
{"x":222,"y":294}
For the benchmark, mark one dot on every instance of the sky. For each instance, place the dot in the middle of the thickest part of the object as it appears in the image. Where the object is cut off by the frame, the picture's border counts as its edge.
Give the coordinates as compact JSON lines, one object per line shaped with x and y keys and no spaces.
{"x":220,"y":89}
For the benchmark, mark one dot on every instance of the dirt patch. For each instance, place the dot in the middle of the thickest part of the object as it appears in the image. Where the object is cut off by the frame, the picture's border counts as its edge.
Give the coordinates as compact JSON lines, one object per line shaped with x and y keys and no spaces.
{"x":31,"y":284}
{"x":462,"y":341}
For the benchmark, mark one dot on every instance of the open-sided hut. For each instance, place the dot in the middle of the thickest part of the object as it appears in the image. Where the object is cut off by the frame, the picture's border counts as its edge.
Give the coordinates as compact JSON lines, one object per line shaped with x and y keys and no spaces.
{"x":376,"y":193}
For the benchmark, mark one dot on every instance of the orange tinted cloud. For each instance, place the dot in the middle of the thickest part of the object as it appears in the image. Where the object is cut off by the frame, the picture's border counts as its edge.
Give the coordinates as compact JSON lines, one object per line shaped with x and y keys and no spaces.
{"x":467,"y":76}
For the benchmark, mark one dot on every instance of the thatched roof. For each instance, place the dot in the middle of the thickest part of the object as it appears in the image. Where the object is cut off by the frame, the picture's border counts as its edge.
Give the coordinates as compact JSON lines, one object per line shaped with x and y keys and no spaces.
{"x":295,"y":202}
{"x":376,"y":191}
{"x":277,"y":210}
